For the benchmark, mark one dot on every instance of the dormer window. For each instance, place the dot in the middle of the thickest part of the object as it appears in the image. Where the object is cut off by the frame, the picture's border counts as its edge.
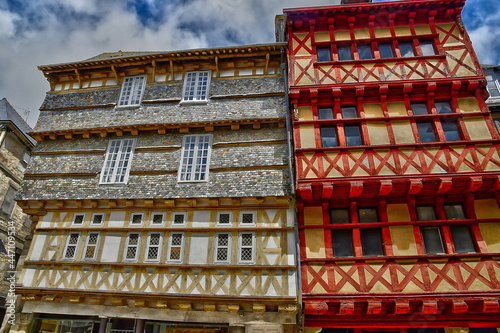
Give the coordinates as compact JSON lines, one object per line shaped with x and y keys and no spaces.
{"x":132,"y":91}
{"x":196,"y":86}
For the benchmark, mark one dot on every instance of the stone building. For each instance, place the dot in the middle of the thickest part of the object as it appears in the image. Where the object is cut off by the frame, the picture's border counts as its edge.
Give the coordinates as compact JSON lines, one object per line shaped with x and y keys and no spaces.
{"x":15,"y":150}
{"x":398,"y":167}
{"x":160,"y":189}
{"x":492,"y":73}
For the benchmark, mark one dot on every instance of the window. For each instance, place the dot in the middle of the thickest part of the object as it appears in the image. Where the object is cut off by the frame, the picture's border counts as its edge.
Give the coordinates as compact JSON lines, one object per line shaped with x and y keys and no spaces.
{"x":324,"y":54}
{"x":23,"y":162}
{"x":9,"y":203}
{"x":179,"y":219}
{"x":195,"y":158}
{"x":450,"y":129}
{"x":71,"y":245}
{"x":365,"y":52}
{"x":224,"y":218}
{"x":97,"y":218}
{"x":344,"y":52}
{"x":117,"y":162}
{"x":79,"y":218}
{"x":247,"y":218}
{"x":427,"y":47}
{"x":91,"y":245}
{"x":371,"y":238}
{"x":132,"y":91}
{"x":196,"y":86}
{"x":443,"y":107}
{"x":325,"y":113}
{"x":385,"y":50}
{"x":222,"y":247}
{"x":352,"y":132}
{"x":132,"y":246}
{"x":425,"y":213}
{"x":157,"y":219}
{"x":432,"y":240}
{"x":342,"y":242}
{"x":246,"y":247}
{"x":154,"y":246}
{"x":492,"y":83}
{"x":419,"y":109}
{"x":454,"y":212}
{"x":136,"y":219}
{"x":329,"y":137}
{"x":406,"y":49}
{"x":175,"y":246}
{"x":462,"y":239}
{"x":426,"y":131}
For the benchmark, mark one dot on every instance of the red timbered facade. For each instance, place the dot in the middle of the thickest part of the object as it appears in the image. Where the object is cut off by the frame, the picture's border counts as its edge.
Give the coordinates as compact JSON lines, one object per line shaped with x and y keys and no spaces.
{"x":398,"y":169}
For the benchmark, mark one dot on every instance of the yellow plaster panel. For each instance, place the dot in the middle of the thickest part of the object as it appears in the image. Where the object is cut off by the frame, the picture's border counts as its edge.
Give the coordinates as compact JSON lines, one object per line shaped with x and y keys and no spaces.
{"x":307,"y":139}
{"x":468,"y":104}
{"x":302,"y":51}
{"x":378,"y":287}
{"x":402,"y":131}
{"x":403,"y":240}
{"x":437,"y":168}
{"x":402,"y":31}
{"x":313,"y":215}
{"x":410,"y":168}
{"x":432,"y":63}
{"x":390,"y":161}
{"x":398,"y":213}
{"x":373,"y":110}
{"x":304,"y":79}
{"x":318,"y":288}
{"x":451,"y":41}
{"x":359,"y":171}
{"x":315,"y":243}
{"x":469,"y":62}
{"x":312,"y":329}
{"x":326,"y":79}
{"x":486,"y":209}
{"x":476,"y":126}
{"x":305,"y":113}
{"x":377,"y":131}
{"x":333,"y":172}
{"x":382,"y":32}
{"x":342,"y":35}
{"x":489,"y":166}
{"x":422,"y":29}
{"x":491,"y":235}
{"x":396,"y":109}
{"x":322,"y":36}
{"x":361,"y":34}
{"x":347,"y":287}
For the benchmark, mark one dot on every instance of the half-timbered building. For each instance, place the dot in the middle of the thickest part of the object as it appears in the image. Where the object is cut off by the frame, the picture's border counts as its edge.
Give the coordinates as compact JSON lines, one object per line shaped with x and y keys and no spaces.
{"x":398,"y":169}
{"x":160,"y":189}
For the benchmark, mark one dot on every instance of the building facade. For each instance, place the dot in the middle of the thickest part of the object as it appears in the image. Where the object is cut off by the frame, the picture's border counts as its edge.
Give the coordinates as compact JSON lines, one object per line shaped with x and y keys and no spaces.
{"x":492,"y":73}
{"x":397,"y":169}
{"x":15,"y":150}
{"x":160,"y":189}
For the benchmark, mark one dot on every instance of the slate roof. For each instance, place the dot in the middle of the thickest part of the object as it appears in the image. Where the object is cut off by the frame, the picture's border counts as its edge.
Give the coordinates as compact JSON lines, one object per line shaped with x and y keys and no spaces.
{"x":9,"y":115}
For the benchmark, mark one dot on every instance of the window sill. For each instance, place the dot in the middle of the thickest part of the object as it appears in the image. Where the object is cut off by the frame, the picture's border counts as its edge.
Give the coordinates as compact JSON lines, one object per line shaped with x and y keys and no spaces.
{"x":127,"y":107}
{"x":378,"y":60}
{"x":193,"y":102}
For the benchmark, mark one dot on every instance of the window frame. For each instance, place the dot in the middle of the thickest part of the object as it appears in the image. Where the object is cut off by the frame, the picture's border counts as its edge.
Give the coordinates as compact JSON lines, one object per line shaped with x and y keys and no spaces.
{"x":495,"y":81}
{"x":325,"y":49}
{"x":122,"y":156}
{"x":254,"y":218}
{"x":75,"y":245}
{"x":217,"y":247}
{"x":137,"y":246}
{"x":96,"y":245}
{"x":184,"y":221}
{"x":9,"y":201}
{"x":138,"y":86}
{"x":74,"y":218}
{"x":181,"y":246}
{"x":131,"y":220}
{"x":182,"y":175}
{"x":150,"y":246}
{"x":241,"y":247}
{"x":95,"y":215}
{"x":218,"y":223}
{"x":163,"y":218}
{"x":197,"y":81}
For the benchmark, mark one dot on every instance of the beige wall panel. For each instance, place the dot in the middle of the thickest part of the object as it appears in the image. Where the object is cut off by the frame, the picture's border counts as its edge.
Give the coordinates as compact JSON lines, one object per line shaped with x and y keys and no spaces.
{"x":342,"y":35}
{"x":396,"y":109}
{"x":443,"y":285}
{"x":318,"y":288}
{"x":422,"y":29}
{"x":315,"y":243}
{"x":307,"y":139}
{"x":402,"y":31}
{"x":304,"y":79}
{"x":437,"y":168}
{"x":486,"y":209}
{"x":450,"y":41}
{"x":359,"y":171}
{"x":333,"y":172}
{"x":378,"y":287}
{"x":398,"y":213}
{"x":390,"y":161}
{"x":410,"y":169}
{"x":468,"y":104}
{"x":403,"y":240}
{"x":362,"y":34}
{"x":430,"y":69}
{"x":489,"y":166}
{"x":402,"y":131}
{"x":382,"y":32}
{"x":301,"y":51}
{"x":476,"y":126}
{"x":373,"y":110}
{"x":477,"y":284}
{"x":347,"y":287}
{"x":322,"y":36}
{"x":491,"y":235}
{"x":365,"y":77}
{"x":311,"y":173}
{"x":411,"y":286}
{"x":377,"y":131}
{"x":313,"y":215}
{"x":326,"y":79}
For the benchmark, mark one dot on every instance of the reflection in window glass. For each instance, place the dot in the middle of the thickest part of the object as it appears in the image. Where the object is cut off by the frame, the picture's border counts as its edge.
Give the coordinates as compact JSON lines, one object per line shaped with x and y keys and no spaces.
{"x":462,"y":239}
{"x":431,"y":237}
{"x":352,"y":135}
{"x":344,"y":52}
{"x":325,"y":113}
{"x":328,"y":137}
{"x":324,"y":54}
{"x":450,"y":129}
{"x":406,"y":49}
{"x":426,"y":131}
{"x":367,"y":215}
{"x":425,"y":213}
{"x":364,"y":52}
{"x":427,"y":48}
{"x":419,"y":108}
{"x":385,"y":50}
{"x":349,"y":112}
{"x":454,"y":212}
{"x":443,"y":107}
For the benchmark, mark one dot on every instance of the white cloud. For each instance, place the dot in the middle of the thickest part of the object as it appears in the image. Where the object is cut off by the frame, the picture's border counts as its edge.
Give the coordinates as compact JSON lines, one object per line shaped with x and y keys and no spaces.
{"x":7,"y":23}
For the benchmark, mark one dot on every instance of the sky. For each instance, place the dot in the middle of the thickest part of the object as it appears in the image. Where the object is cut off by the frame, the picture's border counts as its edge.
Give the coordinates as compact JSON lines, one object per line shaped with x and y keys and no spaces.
{"x":42,"y":32}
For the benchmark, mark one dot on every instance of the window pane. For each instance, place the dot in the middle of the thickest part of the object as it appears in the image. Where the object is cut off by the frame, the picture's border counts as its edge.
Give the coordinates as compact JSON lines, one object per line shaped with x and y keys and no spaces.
{"x":342,"y":243}
{"x":339,"y":216}
{"x":344,"y":52}
{"x":450,"y":129}
{"x":406,"y":49}
{"x":427,"y":47}
{"x":431,"y":236}
{"x":328,"y":136}
{"x":353,"y":135}
{"x":426,"y":131}
{"x":349,"y":112}
{"x":367,"y":215}
{"x":462,"y":239}
{"x":364,"y":51}
{"x":454,"y":212}
{"x":419,"y":108}
{"x":443,"y":107}
{"x":426,"y":213}
{"x":324,"y":54}
{"x":371,"y":242}
{"x":492,"y":85}
{"x":325,"y":113}
{"x":385,"y":50}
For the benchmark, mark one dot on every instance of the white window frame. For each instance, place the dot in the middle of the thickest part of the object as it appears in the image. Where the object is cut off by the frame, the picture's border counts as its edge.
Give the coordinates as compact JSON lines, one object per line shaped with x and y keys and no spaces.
{"x":75,"y":245}
{"x":254,"y":219}
{"x":183,"y":224}
{"x":218,"y":223}
{"x":96,"y":245}
{"x":97,"y":214}
{"x":132,"y":224}
{"x":193,"y":82}
{"x":153,"y":214}
{"x":181,"y":246}
{"x":217,"y":247}
{"x":495,"y":80}
{"x":188,"y":171}
{"x":132,"y":91}
{"x":241,"y":247}
{"x":83,"y":219}
{"x":149,"y":246}
{"x":113,"y":171}
{"x":137,"y":246}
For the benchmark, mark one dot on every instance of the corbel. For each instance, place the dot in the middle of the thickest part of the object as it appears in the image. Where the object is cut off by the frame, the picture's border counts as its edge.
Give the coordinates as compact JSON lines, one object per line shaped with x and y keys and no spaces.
{"x":416,"y":186}
{"x":305,"y":192}
{"x":314,"y":95}
{"x":117,"y":77}
{"x":346,"y":308}
{"x":459,"y":306}
{"x":171,"y":70}
{"x":267,"y":63}
{"x":490,"y":305}
{"x":401,"y":307}
{"x":315,"y":307}
{"x":475,"y":183}
{"x":430,"y":307}
{"x":79,"y":78}
{"x":355,"y":189}
{"x":374,"y":307}
{"x":327,"y":191}
{"x":385,"y":188}
{"x":445,"y":185}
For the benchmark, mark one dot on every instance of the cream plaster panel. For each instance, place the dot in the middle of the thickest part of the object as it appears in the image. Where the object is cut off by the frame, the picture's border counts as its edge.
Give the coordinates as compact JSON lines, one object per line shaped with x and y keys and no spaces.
{"x":443,"y":285}
{"x":410,"y":169}
{"x":47,"y":219}
{"x":489,"y":166}
{"x":307,"y":138}
{"x":347,"y":287}
{"x":36,"y":247}
{"x":403,"y":240}
{"x":116,"y":219}
{"x":379,"y":287}
{"x":390,"y":161}
{"x":301,"y":36}
{"x":315,"y":243}
{"x":398,"y":213}
{"x":491,"y":235}
{"x":342,"y":35}
{"x":318,"y":288}
{"x":361,"y":34}
{"x":382,"y":32}
{"x":396,"y":109}
{"x":373,"y":110}
{"x":111,"y":247}
{"x":29,"y":275}
{"x":324,"y":78}
{"x":201,"y":219}
{"x":451,"y":41}
{"x":486,"y":209}
{"x":198,"y":250}
{"x":291,"y":243}
{"x":476,"y":126}
{"x":333,"y":172}
{"x":305,"y":113}
{"x":422,"y":29}
{"x":359,"y":171}
{"x":313,"y":215}
{"x":304,"y":79}
{"x":402,"y":131}
{"x":322,"y":36}
{"x":402,"y":31}
{"x":377,"y":131}
{"x":468,"y":104}
{"x":477,"y":284}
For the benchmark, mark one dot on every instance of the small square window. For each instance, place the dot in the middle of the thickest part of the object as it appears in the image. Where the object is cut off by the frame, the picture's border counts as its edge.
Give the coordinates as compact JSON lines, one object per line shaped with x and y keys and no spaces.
{"x":427,"y":47}
{"x":342,"y":243}
{"x":406,"y":49}
{"x":324,"y":54}
{"x":349,"y":112}
{"x":325,"y":113}
{"x":426,"y":131}
{"x":443,"y":107}
{"x":353,"y":135}
{"x":385,"y":50}
{"x":179,"y":219}
{"x":329,"y":137}
{"x":97,"y":219}
{"x":450,"y":129}
{"x":79,"y":219}
{"x":344,"y":52}
{"x":224,"y":218}
{"x":425,"y":213}
{"x":419,"y":109}
{"x":462,"y":239}
{"x":136,"y":219}
{"x":454,"y":212}
{"x":196,"y":86}
{"x":431,"y":237}
{"x":367,"y":215}
{"x":365,"y":51}
{"x":371,"y":242}
{"x":157,"y":218}
{"x":492,"y":83}
{"x":247,"y":218}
